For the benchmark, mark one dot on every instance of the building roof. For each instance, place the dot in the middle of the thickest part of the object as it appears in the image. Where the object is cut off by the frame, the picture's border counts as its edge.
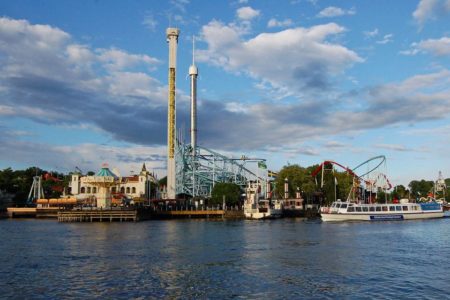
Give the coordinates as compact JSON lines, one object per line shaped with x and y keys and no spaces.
{"x":105,"y":171}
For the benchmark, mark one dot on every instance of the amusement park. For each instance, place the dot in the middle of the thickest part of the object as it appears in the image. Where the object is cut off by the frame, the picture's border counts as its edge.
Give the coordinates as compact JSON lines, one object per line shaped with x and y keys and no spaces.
{"x":203,"y":182}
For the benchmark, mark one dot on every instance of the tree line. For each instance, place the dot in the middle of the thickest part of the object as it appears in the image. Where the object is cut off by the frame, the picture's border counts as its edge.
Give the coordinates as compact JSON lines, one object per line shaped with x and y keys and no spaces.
{"x":15,"y":185}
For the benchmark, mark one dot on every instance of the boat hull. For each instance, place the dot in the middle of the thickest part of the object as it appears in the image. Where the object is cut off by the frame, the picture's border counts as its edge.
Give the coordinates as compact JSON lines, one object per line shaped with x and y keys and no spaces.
{"x":257,"y":215}
{"x":337,"y":217}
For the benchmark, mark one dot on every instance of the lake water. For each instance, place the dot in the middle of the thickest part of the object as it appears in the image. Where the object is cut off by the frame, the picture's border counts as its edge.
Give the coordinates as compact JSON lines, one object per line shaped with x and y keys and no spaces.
{"x":198,"y":259}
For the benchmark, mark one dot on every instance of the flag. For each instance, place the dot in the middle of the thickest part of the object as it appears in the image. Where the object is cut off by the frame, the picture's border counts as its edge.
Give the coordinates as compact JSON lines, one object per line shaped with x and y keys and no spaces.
{"x":335,"y":181}
{"x":262,"y":165}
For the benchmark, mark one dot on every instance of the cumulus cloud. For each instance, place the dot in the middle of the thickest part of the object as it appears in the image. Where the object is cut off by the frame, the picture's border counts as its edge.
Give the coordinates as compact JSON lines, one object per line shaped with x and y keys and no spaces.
{"x":437,"y":47}
{"x":430,"y":9}
{"x":301,"y":58}
{"x":247,"y":13}
{"x":87,"y":157}
{"x":333,"y":11}
{"x":72,"y":84}
{"x":279,"y":23}
{"x":47,"y":77}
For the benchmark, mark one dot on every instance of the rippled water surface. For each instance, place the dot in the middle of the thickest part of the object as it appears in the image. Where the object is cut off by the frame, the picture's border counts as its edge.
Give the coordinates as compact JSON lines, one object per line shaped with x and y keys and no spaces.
{"x":289,"y":258}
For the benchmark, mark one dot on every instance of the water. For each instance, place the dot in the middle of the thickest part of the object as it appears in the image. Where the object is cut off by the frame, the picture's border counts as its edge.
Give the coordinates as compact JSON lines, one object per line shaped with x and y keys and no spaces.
{"x":198,"y":259}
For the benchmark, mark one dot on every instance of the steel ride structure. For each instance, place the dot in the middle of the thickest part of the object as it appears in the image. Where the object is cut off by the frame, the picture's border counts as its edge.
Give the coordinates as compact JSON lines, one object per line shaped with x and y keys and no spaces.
{"x":371,"y":180}
{"x":197,"y":172}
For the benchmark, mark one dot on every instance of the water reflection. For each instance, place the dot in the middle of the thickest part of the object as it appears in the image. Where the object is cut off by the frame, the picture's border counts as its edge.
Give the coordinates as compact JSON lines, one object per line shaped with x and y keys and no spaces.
{"x":290,"y":258}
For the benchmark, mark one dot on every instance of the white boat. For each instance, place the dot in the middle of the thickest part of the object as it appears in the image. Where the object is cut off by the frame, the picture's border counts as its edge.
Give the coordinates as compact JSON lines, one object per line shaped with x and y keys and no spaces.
{"x":349,"y":211}
{"x":256,"y":208}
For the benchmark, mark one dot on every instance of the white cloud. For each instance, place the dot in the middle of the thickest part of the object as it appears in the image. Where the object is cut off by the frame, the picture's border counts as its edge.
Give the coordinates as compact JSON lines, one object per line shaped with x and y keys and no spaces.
{"x":437,"y":47}
{"x":116,"y":59}
{"x":150,"y":22}
{"x":247,"y":13}
{"x":430,"y":9}
{"x":333,"y":11}
{"x":387,"y":38}
{"x":371,"y":34}
{"x":300,"y":57}
{"x":279,"y":23}
{"x":243,"y":1}
{"x":394,"y":147}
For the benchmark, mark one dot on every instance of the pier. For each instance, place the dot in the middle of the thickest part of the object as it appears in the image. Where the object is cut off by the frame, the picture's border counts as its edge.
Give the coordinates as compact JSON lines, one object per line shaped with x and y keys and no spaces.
{"x":99,"y":215}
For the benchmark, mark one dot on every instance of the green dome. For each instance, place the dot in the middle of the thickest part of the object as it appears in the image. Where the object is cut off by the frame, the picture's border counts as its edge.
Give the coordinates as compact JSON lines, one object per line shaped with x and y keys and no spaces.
{"x":105,"y":171}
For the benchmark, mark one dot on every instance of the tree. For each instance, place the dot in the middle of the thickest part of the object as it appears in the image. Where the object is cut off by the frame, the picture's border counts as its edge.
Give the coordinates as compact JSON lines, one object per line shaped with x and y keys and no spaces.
{"x":420,"y":188}
{"x":400,"y":192}
{"x":298,"y":177}
{"x":231,"y":191}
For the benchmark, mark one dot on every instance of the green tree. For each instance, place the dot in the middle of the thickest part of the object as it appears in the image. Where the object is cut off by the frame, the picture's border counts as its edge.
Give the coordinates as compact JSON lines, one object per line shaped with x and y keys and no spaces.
{"x":231,"y":191}
{"x":420,"y":188}
{"x":298,"y":177}
{"x":399,"y":192}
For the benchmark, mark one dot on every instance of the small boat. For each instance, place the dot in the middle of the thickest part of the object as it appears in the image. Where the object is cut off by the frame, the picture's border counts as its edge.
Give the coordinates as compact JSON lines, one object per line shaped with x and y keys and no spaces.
{"x":264,"y":209}
{"x":349,"y":211}
{"x":255,"y":207}
{"x":293,"y":208}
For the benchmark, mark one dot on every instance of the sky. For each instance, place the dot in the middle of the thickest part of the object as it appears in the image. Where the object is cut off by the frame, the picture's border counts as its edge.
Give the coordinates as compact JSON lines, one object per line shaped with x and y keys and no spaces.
{"x":295,"y":82}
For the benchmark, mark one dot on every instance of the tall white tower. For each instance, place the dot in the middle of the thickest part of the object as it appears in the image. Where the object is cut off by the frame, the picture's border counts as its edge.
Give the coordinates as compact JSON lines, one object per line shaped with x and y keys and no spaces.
{"x":193,"y":73}
{"x":172,"y":39}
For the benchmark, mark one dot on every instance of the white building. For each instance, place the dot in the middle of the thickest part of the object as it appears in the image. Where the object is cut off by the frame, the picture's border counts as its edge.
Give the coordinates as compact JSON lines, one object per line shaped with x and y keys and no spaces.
{"x":131,"y":187}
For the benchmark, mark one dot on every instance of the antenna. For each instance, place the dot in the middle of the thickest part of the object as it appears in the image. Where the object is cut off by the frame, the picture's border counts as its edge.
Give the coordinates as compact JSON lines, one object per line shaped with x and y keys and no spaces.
{"x":193,"y":50}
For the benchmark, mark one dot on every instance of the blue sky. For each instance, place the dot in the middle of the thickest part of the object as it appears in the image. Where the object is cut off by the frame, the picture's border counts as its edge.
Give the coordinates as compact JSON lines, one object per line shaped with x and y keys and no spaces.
{"x":300,"y":81}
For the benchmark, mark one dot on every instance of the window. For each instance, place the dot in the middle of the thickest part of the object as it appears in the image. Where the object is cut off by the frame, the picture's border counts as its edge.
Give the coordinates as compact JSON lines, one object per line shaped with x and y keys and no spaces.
{"x":122,"y":190}
{"x":358,"y":208}
{"x":88,"y":189}
{"x":113,"y":189}
{"x":94,"y":190}
{"x":344,"y":206}
{"x":385,"y":208}
{"x":378,"y":208}
{"x":398,"y":208}
{"x":391,"y":208}
{"x":405,"y":208}
{"x":351,"y":209}
{"x":133,"y":190}
{"x":83,"y":190}
{"x":128,"y":189}
{"x":338,"y":205}
{"x":365,"y":208}
{"x":371,"y":208}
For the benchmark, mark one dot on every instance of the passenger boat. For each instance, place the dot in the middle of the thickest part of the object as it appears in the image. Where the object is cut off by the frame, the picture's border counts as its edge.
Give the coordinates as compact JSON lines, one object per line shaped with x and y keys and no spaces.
{"x":349,"y":211}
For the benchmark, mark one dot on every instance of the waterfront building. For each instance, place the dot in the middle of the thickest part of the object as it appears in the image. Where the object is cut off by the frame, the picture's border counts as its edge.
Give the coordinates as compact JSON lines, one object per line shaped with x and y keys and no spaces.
{"x":139,"y":187}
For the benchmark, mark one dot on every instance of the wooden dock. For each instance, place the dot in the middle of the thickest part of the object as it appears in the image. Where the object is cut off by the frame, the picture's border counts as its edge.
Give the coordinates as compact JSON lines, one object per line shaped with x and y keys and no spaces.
{"x":98,"y":215}
{"x":21,"y":212}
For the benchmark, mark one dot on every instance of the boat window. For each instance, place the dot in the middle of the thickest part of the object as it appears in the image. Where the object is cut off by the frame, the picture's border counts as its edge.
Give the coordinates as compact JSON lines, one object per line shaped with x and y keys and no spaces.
{"x":378,"y":208}
{"x":351,"y":209}
{"x":391,"y":208}
{"x":358,"y":208}
{"x":405,"y":208}
{"x":398,"y":208}
{"x":385,"y":208}
{"x":371,"y":208}
{"x":344,"y":206}
{"x":365,"y":208}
